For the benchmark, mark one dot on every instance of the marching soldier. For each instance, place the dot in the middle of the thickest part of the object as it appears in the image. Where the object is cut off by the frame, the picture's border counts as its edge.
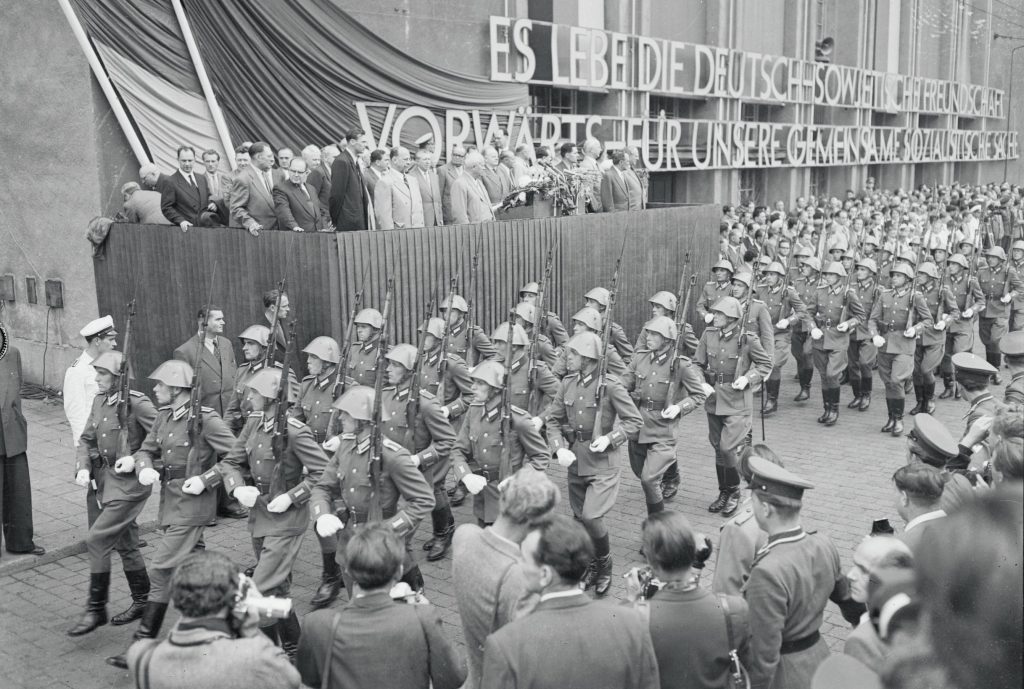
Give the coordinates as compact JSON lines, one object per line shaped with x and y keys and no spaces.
{"x":733,"y":361}
{"x":1012,"y":346}
{"x":783,"y":306}
{"x":421,"y":427}
{"x":480,"y":442}
{"x":592,"y":455}
{"x":885,"y":265}
{"x":459,"y":335}
{"x":163,"y":456}
{"x":861,"y":354}
{"x":720,"y":286}
{"x":278,"y":502}
{"x":362,"y":358}
{"x":1017,"y":306}
{"x":763,"y":325}
{"x":526,"y":318}
{"x":588,"y":320}
{"x":255,"y":340}
{"x":116,"y":499}
{"x":806,"y":287}
{"x":970,"y":301}
{"x":930,"y":345}
{"x":349,"y":480}
{"x":833,"y":311}
{"x":664,"y":304}
{"x":898,"y":316}
{"x":554,"y":329}
{"x":664,"y":387}
{"x":1000,"y":283}
{"x":531,"y":395}
{"x":598,"y":299}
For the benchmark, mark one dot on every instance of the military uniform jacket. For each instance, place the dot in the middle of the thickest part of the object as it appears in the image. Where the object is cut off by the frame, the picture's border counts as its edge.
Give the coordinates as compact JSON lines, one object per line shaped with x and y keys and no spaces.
{"x":967,"y":295}
{"x":554,"y":330}
{"x":938,"y":302}
{"x":253,"y":453}
{"x":479,"y":444}
{"x":890,"y":316}
{"x":826,"y":311}
{"x":97,"y":449}
{"x":546,"y":383}
{"x":546,"y":351}
{"x":793,"y":577}
{"x":427,"y":433}
{"x":458,"y":386}
{"x":782,"y":303}
{"x":995,"y":284}
{"x":617,"y":339}
{"x":867,"y":293}
{"x":738,"y":542}
{"x":1018,"y":301}
{"x":760,"y":322}
{"x":346,"y":479}
{"x":362,"y":363}
{"x":724,"y":359}
{"x":166,"y":449}
{"x":805,"y":289}
{"x":712,"y":292}
{"x":1015,"y":389}
{"x":649,"y":378}
{"x":616,"y":366}
{"x":983,"y":405}
{"x":571,"y":416}
{"x":239,"y":408}
{"x":459,"y":342}
{"x":316,"y":395}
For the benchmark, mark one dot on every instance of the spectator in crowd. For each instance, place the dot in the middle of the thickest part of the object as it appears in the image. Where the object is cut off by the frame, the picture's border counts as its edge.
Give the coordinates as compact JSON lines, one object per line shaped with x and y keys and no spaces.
{"x":350,"y":199}
{"x":380,"y":163}
{"x":216,"y":644}
{"x":931,"y":443}
{"x":142,"y":206}
{"x":568,"y":639}
{"x":636,"y":167}
{"x":430,"y":189}
{"x":80,"y":387}
{"x":693,"y":630}
{"x":919,"y":491}
{"x":470,"y":201}
{"x":296,"y":203}
{"x":568,"y":156}
{"x":590,"y":165}
{"x":446,"y":176}
{"x":184,"y":195}
{"x":397,"y":202}
{"x":242,"y":158}
{"x":219,"y":184}
{"x":318,"y":163}
{"x":486,"y":566}
{"x":282,"y":310}
{"x":873,"y":555}
{"x":252,"y":193}
{"x":15,"y":482}
{"x":152,"y":179}
{"x":620,"y":189}
{"x":284,"y":158}
{"x":522,"y":161}
{"x":374,"y":641}
{"x":494,"y":176}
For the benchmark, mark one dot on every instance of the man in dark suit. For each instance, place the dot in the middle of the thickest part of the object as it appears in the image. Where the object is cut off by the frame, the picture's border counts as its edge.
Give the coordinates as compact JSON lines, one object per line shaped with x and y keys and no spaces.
{"x":349,"y":197}
{"x":495,"y":178}
{"x":618,"y":192}
{"x":446,"y":176}
{"x":318,"y":162}
{"x":430,"y":191}
{"x":295,"y":201}
{"x":920,"y":487}
{"x":270,"y":307}
{"x":184,"y":196}
{"x":568,"y":639}
{"x":252,"y":194}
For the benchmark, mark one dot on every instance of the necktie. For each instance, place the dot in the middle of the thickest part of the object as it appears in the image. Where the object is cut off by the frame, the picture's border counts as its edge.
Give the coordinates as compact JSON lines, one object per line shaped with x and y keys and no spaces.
{"x":268,"y":179}
{"x":192,"y":181}
{"x":304,"y":191}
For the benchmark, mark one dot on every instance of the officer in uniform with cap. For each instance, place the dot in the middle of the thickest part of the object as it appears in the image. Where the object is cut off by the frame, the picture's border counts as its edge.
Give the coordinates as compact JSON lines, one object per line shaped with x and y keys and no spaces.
{"x":362,"y":357}
{"x":665,"y":387}
{"x":931,"y":443}
{"x":115,"y":498}
{"x":861,"y":353}
{"x":478,"y":448}
{"x":592,"y":455}
{"x":80,"y":389}
{"x":941,"y":303}
{"x":664,"y":304}
{"x":422,"y":428}
{"x":347,"y":485}
{"x":1000,"y":283}
{"x":163,"y":457}
{"x":1012,"y":346}
{"x":973,"y":375}
{"x":793,"y":577}
{"x":970,"y":301}
{"x":806,"y":287}
{"x":783,"y":305}
{"x":588,"y":320}
{"x":526,"y":318}
{"x":733,"y":361}
{"x":897,"y":318}
{"x":832,"y":312}
{"x":720,"y":286}
{"x":464,"y":340}
{"x":553,"y":330}
{"x":532,"y":394}
{"x":1017,"y":305}
{"x":598,"y":299}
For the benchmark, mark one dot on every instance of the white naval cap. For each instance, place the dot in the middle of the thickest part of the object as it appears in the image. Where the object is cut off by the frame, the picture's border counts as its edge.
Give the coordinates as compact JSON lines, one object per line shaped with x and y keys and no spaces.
{"x":100,"y":326}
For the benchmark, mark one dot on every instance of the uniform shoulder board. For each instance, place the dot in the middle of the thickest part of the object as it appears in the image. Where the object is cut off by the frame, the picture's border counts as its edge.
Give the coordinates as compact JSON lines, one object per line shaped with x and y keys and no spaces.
{"x":388,"y":387}
{"x":456,"y":358}
{"x":710,"y":282}
{"x":643,"y":350}
{"x":295,"y":423}
{"x":309,"y":377}
{"x":208,"y":410}
{"x":517,"y":410}
{"x":743,"y":517}
{"x":427,"y":394}
{"x":166,"y":407}
{"x":277,"y":364}
{"x":137,"y":394}
{"x":392,"y":445}
{"x":684,"y":359}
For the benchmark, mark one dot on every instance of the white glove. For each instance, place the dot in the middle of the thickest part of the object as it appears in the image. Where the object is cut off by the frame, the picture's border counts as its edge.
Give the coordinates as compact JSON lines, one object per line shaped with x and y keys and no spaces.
{"x":193,"y":486}
{"x":600,"y":443}
{"x":782,"y":324}
{"x":843,"y":327}
{"x":280,"y":503}
{"x":816,"y":334}
{"x":671,"y":411}
{"x":940,"y":325}
{"x":446,"y":412}
{"x":910,"y":332}
{"x":246,"y":495}
{"x":538,"y":423}
{"x":184,"y":225}
{"x":708,"y":389}
{"x":1006,"y":298}
{"x":474,"y":483}
{"x":709,"y":318}
{"x":415,"y":459}
{"x":565,"y":457}
{"x":332,"y":444}
{"x":297,"y":229}
{"x":878,"y":341}
{"x":125,"y":465}
{"x":82,"y":478}
{"x":967,"y":313}
{"x":328,"y":525}
{"x":148,"y":477}
{"x":740,"y":383}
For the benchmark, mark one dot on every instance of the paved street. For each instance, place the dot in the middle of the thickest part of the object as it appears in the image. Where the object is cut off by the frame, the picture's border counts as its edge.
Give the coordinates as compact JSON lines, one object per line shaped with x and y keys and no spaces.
{"x":850,"y":464}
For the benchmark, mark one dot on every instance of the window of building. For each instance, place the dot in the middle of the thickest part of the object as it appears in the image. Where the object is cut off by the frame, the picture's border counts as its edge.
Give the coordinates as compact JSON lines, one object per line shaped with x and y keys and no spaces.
{"x":753,"y":186}
{"x":757,"y":112}
{"x":549,"y":99}
{"x":819,"y":181}
{"x":675,"y":108}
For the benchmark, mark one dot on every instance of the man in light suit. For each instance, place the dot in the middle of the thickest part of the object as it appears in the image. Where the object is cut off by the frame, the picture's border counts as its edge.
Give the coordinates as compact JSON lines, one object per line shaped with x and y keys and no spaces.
{"x":619,"y":193}
{"x":142,"y":206}
{"x":430,"y":191}
{"x":219,"y":184}
{"x":446,"y":176}
{"x":495,"y":177}
{"x":184,"y":195}
{"x":522,"y":161}
{"x":349,"y":198}
{"x":295,"y":201}
{"x":397,"y":202}
{"x":252,"y":194}
{"x":470,"y":202}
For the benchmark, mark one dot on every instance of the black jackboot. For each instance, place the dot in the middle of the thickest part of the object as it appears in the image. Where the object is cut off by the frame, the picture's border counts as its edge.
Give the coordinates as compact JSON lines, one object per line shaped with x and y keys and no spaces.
{"x":288,"y":631}
{"x":865,"y":394}
{"x":855,"y":402}
{"x":670,"y":482}
{"x":948,"y":387}
{"x":833,"y":412}
{"x":149,"y":628}
{"x":771,"y":404}
{"x":138,"y":582}
{"x":897,"y":415}
{"x":826,"y":402}
{"x":444,"y":529}
{"x":330,"y":582}
{"x":96,"y":608}
{"x":921,"y":405}
{"x":887,"y":428}
{"x":929,"y":398}
{"x":805,"y":385}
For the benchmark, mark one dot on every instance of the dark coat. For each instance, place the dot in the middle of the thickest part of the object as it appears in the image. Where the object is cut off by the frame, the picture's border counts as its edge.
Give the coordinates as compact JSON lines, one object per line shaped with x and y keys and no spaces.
{"x":295,"y":209}
{"x":180,"y":201}
{"x":216,"y":378}
{"x":348,"y":201}
{"x":320,"y":179}
{"x":13,"y":427}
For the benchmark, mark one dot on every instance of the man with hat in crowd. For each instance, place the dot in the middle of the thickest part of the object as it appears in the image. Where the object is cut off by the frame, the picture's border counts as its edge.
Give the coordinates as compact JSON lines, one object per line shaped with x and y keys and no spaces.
{"x":783,"y":306}
{"x":919,"y":489}
{"x":931,"y":443}
{"x":832,"y":311}
{"x":80,"y":388}
{"x":1017,"y":305}
{"x":715,"y":289}
{"x":1000,"y":283}
{"x":1012,"y":347}
{"x":553,"y":328}
{"x":931,"y":342}
{"x":806,"y":285}
{"x":170,"y":456}
{"x":897,"y":318}
{"x":588,"y":320}
{"x":587,"y":425}
{"x":793,"y":577}
{"x":599,"y":299}
{"x":734,"y":362}
{"x":526,"y":318}
{"x":970,"y":301}
{"x":466,"y":340}
{"x":973,"y":376}
{"x":861,"y":353}
{"x":665,"y":387}
{"x":115,"y":498}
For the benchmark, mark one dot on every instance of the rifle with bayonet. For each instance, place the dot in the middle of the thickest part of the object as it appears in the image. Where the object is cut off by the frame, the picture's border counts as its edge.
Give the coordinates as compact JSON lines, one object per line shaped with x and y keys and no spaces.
{"x":412,"y":408}
{"x":913,"y":285}
{"x":375,"y":512}
{"x":194,"y":425}
{"x":470,"y":348}
{"x":347,"y":343}
{"x":505,"y":466}
{"x":686,"y":286}
{"x":124,"y":387}
{"x":442,"y":366}
{"x":279,"y":441}
{"x":606,"y":334}
{"x":268,"y":357}
{"x":540,"y":319}
{"x":939,"y":315}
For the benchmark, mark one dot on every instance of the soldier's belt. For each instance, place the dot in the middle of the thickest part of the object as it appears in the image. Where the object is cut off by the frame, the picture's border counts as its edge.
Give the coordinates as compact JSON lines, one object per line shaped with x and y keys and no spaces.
{"x":100,"y":462}
{"x":826,"y":322}
{"x":489,"y":474}
{"x":652,"y":405}
{"x":797,"y":645}
{"x":171,"y":473}
{"x":719,"y":378}
{"x":574,"y":436}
